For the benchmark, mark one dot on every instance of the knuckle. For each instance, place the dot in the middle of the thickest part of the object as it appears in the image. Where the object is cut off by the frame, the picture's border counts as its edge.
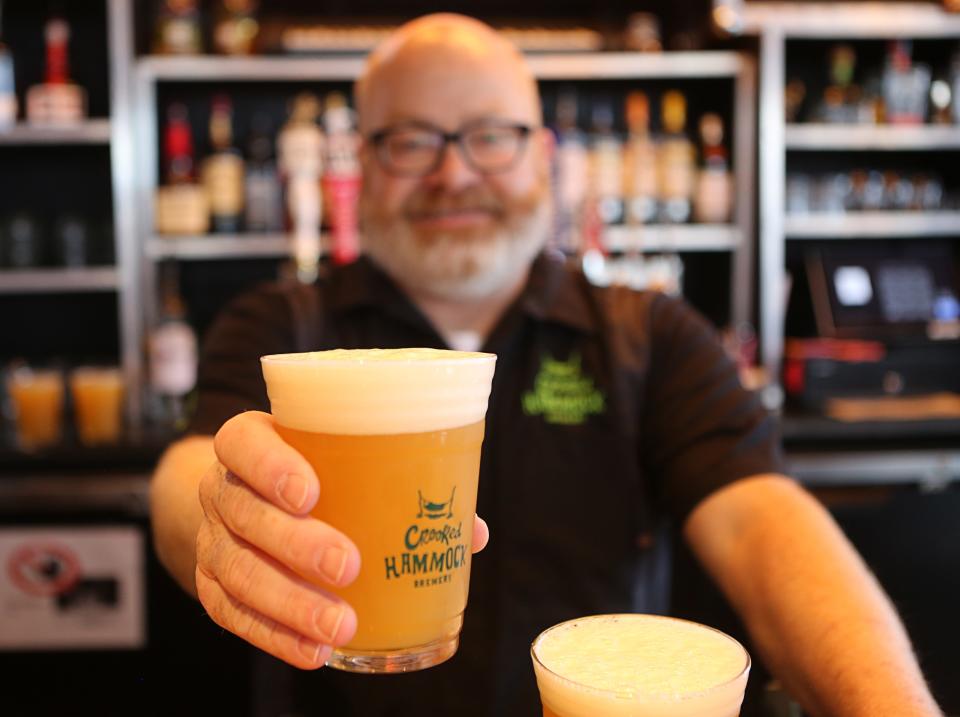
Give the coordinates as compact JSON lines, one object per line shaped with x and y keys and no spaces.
{"x":211,"y":598}
{"x":239,"y":573}
{"x":244,"y":623}
{"x":298,"y":548}
{"x":207,"y":547}
{"x":244,"y":510}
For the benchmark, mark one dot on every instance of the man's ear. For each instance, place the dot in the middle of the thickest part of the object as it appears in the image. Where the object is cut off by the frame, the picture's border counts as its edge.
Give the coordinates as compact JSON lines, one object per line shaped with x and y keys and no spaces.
{"x":548,"y":142}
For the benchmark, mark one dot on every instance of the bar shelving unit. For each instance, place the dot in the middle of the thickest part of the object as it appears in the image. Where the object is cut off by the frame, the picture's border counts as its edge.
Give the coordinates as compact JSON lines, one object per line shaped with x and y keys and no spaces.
{"x":735,"y":239}
{"x":777,"y":24}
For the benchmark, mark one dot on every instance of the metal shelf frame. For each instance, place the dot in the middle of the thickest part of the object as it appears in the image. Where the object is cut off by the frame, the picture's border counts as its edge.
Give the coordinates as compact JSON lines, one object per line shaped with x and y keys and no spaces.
{"x":649,"y":238}
{"x":680,"y":238}
{"x":737,"y":67}
{"x":777,"y":23}
{"x":216,"y":246}
{"x":872,"y":225}
{"x":346,"y":68}
{"x":92,"y":131}
{"x":873,"y":138}
{"x":59,"y":281}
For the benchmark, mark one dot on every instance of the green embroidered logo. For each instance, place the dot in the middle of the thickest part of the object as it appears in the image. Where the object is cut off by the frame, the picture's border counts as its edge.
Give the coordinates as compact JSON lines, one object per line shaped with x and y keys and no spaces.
{"x":562,"y":394}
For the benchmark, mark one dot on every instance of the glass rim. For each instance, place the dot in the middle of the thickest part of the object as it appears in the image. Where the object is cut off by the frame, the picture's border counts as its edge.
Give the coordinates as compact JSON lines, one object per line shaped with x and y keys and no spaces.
{"x":460,"y":357}
{"x":650,"y":695}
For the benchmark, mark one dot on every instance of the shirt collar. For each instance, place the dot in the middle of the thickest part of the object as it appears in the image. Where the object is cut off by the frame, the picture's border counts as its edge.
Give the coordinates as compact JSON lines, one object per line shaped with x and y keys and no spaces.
{"x":556,"y":292}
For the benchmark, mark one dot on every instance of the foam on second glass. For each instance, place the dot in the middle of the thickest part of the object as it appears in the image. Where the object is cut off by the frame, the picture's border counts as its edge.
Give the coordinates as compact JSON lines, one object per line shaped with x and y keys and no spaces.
{"x":378,"y":391}
{"x":640,"y":665}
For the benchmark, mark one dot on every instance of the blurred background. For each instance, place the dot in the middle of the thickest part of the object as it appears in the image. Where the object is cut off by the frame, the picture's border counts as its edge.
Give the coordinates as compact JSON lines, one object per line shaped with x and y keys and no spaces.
{"x":790,"y":168}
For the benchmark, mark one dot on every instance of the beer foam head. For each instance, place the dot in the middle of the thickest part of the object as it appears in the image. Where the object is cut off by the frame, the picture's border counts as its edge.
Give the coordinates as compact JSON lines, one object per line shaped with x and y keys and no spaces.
{"x":378,"y":391}
{"x":639,"y":666}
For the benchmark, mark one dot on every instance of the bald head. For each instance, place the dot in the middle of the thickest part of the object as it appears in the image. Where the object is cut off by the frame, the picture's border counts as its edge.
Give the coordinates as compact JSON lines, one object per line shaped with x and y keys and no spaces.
{"x":449,"y":59}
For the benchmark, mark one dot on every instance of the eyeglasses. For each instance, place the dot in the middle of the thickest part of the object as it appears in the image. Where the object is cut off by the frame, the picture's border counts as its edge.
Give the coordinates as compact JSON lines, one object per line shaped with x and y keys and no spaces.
{"x":416,"y":149}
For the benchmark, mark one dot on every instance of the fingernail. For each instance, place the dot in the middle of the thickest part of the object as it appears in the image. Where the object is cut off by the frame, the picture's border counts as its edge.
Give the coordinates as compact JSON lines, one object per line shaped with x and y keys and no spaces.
{"x":292,"y":490}
{"x":309,"y":650}
{"x":328,"y":621}
{"x":332,"y":563}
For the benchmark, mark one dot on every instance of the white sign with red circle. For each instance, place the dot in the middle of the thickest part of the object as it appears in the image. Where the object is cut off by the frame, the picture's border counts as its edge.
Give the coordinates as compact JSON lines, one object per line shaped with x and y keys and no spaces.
{"x":71,"y":588}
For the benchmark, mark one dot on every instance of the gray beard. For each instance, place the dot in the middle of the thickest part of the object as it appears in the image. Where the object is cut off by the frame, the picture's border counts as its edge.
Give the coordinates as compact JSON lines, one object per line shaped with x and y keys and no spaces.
{"x":454,"y":267}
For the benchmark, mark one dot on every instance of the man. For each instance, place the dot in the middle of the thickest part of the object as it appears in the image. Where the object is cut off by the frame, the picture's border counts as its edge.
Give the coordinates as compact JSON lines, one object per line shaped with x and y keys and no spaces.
{"x":648,"y":422}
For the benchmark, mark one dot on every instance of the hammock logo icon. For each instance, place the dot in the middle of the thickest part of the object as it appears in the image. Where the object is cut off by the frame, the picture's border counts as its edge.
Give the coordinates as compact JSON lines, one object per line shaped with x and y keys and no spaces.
{"x":433,"y":510}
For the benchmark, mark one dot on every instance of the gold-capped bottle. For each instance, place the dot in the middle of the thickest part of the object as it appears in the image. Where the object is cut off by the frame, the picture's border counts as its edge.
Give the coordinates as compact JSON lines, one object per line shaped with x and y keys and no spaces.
{"x":676,"y":161}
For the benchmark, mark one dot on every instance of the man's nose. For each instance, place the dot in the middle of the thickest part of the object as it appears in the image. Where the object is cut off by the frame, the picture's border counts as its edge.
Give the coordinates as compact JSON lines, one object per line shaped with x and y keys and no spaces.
{"x":453,"y":172}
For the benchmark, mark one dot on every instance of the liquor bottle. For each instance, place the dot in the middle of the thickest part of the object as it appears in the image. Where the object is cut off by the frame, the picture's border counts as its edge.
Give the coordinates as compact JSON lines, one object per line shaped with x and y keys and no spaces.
{"x":714,"y":196}
{"x":571,"y":167}
{"x":794,"y":95}
{"x":906,"y":85}
{"x":8,"y":95}
{"x":181,"y":206}
{"x":222,"y":172}
{"x":675,"y":161}
{"x":264,"y":199}
{"x":301,"y":149}
{"x":640,"y":180}
{"x":642,"y":33}
{"x":57,"y":100}
{"x":235,"y":28}
{"x":606,"y":165}
{"x":840,"y":98}
{"x":178,"y":29}
{"x":173,"y":353}
{"x":341,"y":178}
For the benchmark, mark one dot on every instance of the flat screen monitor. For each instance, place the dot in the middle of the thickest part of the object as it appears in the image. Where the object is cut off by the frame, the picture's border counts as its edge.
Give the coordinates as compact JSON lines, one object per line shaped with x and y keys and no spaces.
{"x":881,"y":291}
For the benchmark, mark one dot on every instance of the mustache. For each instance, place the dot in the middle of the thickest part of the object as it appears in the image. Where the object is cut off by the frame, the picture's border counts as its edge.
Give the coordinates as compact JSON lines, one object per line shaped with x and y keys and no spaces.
{"x":473,"y":199}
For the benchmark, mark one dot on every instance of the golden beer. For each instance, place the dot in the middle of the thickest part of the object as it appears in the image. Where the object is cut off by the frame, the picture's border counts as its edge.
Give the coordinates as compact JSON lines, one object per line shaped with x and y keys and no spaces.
{"x":639,"y":666}
{"x":37,"y":398}
{"x":395,"y":439}
{"x":97,"y":404}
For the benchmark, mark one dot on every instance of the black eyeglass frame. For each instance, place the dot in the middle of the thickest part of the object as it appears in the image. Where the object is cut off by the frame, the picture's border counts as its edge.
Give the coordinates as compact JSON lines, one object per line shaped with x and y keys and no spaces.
{"x":377,"y":141}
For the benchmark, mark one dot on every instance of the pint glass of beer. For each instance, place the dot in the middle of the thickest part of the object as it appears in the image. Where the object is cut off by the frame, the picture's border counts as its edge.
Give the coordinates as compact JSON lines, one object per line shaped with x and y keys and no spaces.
{"x":97,"y":404}
{"x":37,"y":398}
{"x":638,"y":666}
{"x":394,"y":436}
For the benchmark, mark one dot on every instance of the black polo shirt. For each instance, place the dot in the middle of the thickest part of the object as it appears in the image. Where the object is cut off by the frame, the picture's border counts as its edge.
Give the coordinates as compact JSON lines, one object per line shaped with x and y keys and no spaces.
{"x":611,"y":411}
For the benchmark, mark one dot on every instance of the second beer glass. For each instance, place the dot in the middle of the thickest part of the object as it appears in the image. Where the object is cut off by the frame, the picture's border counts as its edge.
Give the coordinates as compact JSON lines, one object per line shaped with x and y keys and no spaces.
{"x":394,"y":436}
{"x":638,"y":666}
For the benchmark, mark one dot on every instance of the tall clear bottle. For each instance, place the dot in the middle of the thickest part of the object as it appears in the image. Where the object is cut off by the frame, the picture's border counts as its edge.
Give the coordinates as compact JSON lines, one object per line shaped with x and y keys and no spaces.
{"x":640,"y":166}
{"x":264,"y":202}
{"x":570,"y":168}
{"x":606,"y":170}
{"x":714,"y":197}
{"x":172,"y":347}
{"x":223,"y":172}
{"x":676,"y":161}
